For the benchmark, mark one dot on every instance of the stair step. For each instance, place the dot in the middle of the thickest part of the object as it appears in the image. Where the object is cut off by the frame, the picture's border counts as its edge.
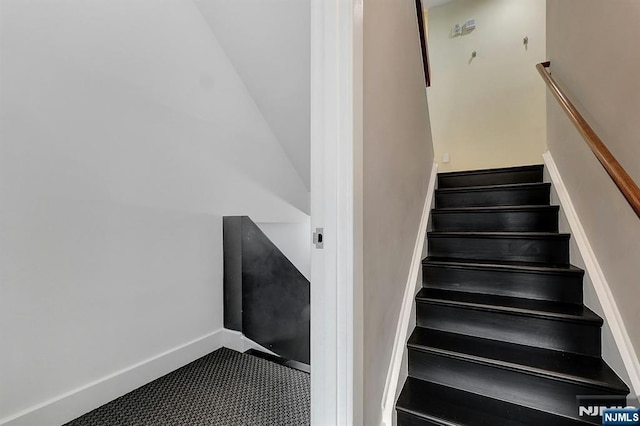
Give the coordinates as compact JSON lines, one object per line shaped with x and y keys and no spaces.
{"x":502,"y":218}
{"x":525,"y":307}
{"x":514,"y":279}
{"x":537,"y":323}
{"x":503,"y":384}
{"x":424,"y":403}
{"x":542,"y":363}
{"x":521,"y":174}
{"x":494,"y":195}
{"x":502,"y":335}
{"x":535,"y":247}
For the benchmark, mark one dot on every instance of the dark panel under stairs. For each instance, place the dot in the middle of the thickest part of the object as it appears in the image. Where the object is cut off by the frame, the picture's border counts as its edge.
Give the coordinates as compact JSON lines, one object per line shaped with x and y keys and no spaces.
{"x":265,"y":296}
{"x":502,"y":335}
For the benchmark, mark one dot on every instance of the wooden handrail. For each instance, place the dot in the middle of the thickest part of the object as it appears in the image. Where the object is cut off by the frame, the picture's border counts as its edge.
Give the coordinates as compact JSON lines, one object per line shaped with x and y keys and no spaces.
{"x":620,"y":177}
{"x":423,"y":43}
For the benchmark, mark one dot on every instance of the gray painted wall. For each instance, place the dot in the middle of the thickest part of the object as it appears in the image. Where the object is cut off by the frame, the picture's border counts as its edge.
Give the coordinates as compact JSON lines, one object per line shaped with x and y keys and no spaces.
{"x":397,"y":162}
{"x":590,"y":45}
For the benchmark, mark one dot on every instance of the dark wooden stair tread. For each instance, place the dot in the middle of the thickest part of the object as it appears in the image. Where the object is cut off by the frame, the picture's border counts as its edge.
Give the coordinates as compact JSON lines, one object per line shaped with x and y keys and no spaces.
{"x":574,"y":368}
{"x":511,"y":194}
{"x":534,"y":268}
{"x":493,"y":209}
{"x":539,"y":281}
{"x":511,"y":169}
{"x":538,"y":247}
{"x":507,"y":218}
{"x":528,"y":307}
{"x":442,"y":405}
{"x":499,"y":187}
{"x":491,"y":234}
{"x":520,"y":174}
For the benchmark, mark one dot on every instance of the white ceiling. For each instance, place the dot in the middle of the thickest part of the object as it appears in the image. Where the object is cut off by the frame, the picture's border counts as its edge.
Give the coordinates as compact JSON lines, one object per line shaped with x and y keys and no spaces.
{"x":268,"y":43}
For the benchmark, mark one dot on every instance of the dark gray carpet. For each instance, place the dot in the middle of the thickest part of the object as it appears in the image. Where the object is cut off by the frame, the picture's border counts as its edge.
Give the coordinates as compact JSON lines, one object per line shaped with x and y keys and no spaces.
{"x":223,"y":388}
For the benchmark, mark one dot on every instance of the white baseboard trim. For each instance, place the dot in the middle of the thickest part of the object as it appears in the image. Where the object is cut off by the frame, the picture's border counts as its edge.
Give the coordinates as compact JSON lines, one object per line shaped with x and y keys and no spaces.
{"x":403,"y":327}
{"x":600,"y":284}
{"x":72,"y":404}
{"x":238,"y":342}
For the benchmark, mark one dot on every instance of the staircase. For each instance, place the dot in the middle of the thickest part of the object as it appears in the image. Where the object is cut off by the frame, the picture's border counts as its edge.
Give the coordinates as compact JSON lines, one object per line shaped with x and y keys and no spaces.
{"x":502,"y":336}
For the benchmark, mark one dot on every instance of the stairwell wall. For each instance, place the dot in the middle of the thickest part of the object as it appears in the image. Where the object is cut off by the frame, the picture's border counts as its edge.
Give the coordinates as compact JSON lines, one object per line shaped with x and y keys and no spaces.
{"x":588,"y":43}
{"x":397,"y":163}
{"x":126,"y":135}
{"x":487,"y":111}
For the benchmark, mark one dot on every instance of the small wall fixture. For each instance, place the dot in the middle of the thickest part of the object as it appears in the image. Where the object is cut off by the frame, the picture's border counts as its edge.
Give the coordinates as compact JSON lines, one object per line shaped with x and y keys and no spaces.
{"x":469,"y":25}
{"x":473,"y":55}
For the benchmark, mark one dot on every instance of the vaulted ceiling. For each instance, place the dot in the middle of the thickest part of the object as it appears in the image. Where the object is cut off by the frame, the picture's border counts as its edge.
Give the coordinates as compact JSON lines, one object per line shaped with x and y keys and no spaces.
{"x":267,"y":41}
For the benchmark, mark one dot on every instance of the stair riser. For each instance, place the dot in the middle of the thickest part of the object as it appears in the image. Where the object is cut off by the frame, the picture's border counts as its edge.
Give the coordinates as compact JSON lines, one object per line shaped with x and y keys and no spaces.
{"x":405,"y":419}
{"x":538,"y":195}
{"x":509,"y":221}
{"x":575,"y":337}
{"x":529,"y":175}
{"x":522,"y":249}
{"x":463,"y":408}
{"x":525,"y":418}
{"x":559,"y":288}
{"x":506,"y":385}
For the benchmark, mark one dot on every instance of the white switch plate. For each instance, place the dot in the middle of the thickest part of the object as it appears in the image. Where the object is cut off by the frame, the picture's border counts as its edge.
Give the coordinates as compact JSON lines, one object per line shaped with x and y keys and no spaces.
{"x":470,"y":24}
{"x":445,"y":157}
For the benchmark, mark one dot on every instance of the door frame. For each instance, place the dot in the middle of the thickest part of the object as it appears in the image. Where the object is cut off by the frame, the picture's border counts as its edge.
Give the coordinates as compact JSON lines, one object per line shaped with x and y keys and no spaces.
{"x":336,"y":206}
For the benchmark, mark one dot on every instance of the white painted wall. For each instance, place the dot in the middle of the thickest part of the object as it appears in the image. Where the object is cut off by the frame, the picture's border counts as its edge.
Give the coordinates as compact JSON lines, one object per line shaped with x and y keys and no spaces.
{"x":397,"y":163}
{"x":488,"y":111}
{"x":293,"y":240}
{"x":126,"y":134}
{"x":428,"y":4}
{"x":268,"y":43}
{"x":591,"y":57}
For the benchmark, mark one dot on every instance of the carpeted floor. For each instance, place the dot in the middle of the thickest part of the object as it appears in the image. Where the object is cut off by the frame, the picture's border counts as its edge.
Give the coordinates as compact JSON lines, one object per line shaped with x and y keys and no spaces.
{"x":223,"y":388}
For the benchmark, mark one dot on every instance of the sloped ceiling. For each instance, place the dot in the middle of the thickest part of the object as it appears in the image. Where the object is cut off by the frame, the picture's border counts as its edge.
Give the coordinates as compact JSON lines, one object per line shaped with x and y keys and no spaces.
{"x":267,"y":41}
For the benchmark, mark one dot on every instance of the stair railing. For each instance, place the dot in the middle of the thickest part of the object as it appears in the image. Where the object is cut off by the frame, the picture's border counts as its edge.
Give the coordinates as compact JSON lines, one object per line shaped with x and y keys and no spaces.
{"x":423,"y":43}
{"x":620,"y":177}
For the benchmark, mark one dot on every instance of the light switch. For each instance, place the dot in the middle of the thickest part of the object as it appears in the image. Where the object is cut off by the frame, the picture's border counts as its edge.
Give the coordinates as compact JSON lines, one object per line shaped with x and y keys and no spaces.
{"x":470,"y":25}
{"x":445,"y":157}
